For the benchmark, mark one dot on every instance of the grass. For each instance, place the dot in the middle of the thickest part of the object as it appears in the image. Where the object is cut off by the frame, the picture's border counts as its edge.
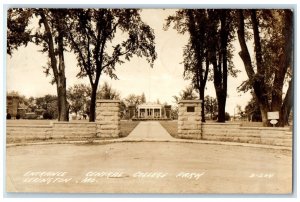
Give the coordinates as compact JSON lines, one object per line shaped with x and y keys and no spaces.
{"x":127,"y":127}
{"x":171,"y":127}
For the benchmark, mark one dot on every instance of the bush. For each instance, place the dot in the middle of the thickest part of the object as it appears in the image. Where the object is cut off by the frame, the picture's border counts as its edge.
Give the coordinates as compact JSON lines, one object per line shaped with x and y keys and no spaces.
{"x":18,"y":116}
{"x":8,"y":116}
{"x":47,"y":115}
{"x":227,"y":116}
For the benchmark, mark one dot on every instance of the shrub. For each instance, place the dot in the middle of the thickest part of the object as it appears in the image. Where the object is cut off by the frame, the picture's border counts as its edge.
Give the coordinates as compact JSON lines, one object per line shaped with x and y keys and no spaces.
{"x":227,"y":116}
{"x":8,"y":116}
{"x":18,"y":116}
{"x":47,"y":115}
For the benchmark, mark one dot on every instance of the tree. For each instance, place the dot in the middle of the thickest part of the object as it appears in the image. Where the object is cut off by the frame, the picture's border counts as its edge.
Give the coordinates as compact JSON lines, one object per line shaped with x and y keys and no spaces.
{"x":252,"y":110}
{"x":186,"y":94}
{"x":92,"y":38}
{"x":49,"y":104}
{"x":78,"y":97}
{"x":143,"y":98}
{"x":133,"y":99}
{"x":195,"y":66}
{"x":219,"y":38}
{"x":211,"y":106}
{"x":108,"y":93}
{"x":49,"y":34}
{"x":272,"y":64}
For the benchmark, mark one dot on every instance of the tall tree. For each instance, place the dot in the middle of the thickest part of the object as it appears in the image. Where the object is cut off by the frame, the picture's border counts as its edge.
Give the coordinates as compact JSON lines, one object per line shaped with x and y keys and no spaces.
{"x":219,"y":38}
{"x":93,"y":35}
{"x":211,"y":34}
{"x":196,"y":67}
{"x":272,"y":64}
{"x":49,"y":33}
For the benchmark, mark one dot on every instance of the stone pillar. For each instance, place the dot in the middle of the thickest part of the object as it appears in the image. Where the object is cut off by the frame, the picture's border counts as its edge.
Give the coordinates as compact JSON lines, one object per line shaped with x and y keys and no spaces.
{"x":189,"y":119}
{"x":108,"y":118}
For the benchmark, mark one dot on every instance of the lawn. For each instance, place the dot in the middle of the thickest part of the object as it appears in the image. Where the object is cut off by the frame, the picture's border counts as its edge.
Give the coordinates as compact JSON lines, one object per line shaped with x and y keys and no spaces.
{"x":171,"y":127}
{"x":127,"y":127}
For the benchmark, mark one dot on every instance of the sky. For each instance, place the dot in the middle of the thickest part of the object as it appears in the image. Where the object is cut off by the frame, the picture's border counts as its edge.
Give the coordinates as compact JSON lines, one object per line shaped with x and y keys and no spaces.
{"x":163,"y":81}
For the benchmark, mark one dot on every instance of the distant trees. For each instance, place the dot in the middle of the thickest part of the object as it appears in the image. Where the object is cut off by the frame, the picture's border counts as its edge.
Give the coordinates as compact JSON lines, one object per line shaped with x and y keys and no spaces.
{"x":186,"y":94}
{"x":49,"y":104}
{"x":78,"y":97}
{"x":133,"y":99}
{"x":252,"y":110}
{"x":211,"y":106}
{"x":108,"y":93}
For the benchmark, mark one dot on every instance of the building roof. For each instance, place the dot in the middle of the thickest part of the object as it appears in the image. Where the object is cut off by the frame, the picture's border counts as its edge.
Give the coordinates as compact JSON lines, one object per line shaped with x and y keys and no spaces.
{"x":150,"y":105}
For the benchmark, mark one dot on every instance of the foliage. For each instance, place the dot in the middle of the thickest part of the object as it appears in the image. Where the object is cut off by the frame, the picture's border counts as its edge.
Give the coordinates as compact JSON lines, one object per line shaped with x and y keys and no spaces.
{"x":8,"y":116}
{"x":133,"y":99}
{"x":227,"y":116}
{"x":210,"y":106}
{"x":47,"y":115}
{"x":252,"y":110}
{"x":78,"y":97}
{"x":18,"y":116}
{"x":49,"y":104}
{"x":108,"y":93}
{"x":186,"y":94}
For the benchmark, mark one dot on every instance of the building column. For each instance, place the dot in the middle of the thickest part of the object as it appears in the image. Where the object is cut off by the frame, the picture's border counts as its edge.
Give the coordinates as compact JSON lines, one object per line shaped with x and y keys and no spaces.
{"x":160,"y":113}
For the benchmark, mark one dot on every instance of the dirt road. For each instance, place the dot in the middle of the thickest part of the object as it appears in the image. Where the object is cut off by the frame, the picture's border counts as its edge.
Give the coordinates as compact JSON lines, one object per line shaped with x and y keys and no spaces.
{"x":148,"y":167}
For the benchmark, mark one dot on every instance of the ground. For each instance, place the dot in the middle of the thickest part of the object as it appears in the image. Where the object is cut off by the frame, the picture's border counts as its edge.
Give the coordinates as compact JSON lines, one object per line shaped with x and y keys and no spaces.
{"x":216,"y":168}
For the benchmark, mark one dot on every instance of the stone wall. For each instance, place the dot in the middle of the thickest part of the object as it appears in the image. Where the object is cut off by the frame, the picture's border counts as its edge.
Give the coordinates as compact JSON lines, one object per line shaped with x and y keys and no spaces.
{"x":108,"y":118}
{"x":189,"y":124}
{"x":55,"y":130}
{"x":14,"y":132}
{"x":73,"y":129}
{"x":255,"y":135}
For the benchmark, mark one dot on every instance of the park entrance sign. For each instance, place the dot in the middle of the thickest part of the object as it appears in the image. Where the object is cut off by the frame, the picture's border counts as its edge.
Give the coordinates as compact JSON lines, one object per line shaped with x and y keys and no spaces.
{"x":273,"y":116}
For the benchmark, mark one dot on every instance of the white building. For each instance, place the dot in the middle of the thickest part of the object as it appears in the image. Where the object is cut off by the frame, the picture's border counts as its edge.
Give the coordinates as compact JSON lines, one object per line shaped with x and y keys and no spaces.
{"x":150,"y":110}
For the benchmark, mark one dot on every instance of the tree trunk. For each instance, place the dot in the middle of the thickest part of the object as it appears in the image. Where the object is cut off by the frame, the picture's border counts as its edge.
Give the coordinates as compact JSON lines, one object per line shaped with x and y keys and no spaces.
{"x":256,"y":79}
{"x":221,"y":110}
{"x":92,"y":116}
{"x":286,"y":106}
{"x":201,"y":94}
{"x":62,"y":100}
{"x":63,"y":114}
